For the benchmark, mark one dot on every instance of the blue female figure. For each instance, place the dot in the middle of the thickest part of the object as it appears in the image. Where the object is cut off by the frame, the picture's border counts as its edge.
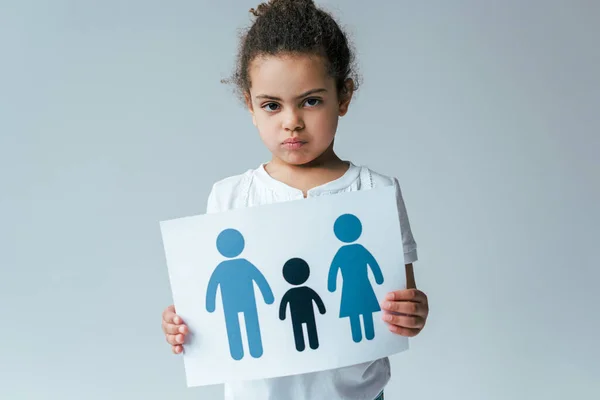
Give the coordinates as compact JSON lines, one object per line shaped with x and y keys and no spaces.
{"x":353,"y":260}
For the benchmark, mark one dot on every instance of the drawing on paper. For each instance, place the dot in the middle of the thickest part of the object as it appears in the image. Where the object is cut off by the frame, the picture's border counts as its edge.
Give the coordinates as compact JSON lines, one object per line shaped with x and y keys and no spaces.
{"x":301,"y":301}
{"x":236,"y":277}
{"x":353,"y":261}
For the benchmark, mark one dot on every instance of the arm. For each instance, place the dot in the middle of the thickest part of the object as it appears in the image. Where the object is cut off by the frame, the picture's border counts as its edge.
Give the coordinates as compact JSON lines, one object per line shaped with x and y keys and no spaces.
{"x":374,"y":267}
{"x":332,"y":278}
{"x":409,"y":245}
{"x":410,"y":276}
{"x":409,"y":307}
{"x":262,"y":284}
{"x":318,"y":301}
{"x":283,"y":306}
{"x":211,"y":292}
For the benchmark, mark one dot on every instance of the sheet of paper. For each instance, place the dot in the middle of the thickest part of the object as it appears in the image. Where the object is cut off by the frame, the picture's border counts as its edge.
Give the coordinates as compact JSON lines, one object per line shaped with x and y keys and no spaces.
{"x":287,"y":288}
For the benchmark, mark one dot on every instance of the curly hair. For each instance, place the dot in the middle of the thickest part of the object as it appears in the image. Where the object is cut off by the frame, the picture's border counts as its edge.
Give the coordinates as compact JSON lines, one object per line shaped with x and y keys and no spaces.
{"x":295,"y":27}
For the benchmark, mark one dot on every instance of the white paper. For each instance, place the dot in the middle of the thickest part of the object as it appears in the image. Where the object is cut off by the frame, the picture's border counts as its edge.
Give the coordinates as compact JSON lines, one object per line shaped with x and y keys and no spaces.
{"x":272,"y":235}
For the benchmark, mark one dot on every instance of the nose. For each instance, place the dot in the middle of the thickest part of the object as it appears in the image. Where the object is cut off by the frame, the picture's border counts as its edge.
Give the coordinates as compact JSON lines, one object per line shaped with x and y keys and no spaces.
{"x":292,"y":121}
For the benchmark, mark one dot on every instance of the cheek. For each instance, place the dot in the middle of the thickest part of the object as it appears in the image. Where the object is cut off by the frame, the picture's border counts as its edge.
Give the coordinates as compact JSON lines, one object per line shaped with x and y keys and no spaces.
{"x":333,"y":123}
{"x":327,"y":124}
{"x":267,"y":128}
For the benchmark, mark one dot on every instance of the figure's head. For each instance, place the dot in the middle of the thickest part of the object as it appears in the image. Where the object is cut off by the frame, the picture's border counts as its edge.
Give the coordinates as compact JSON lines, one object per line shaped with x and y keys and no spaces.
{"x":296,"y":271}
{"x":295,"y":74}
{"x":347,"y":228}
{"x":230,"y":243}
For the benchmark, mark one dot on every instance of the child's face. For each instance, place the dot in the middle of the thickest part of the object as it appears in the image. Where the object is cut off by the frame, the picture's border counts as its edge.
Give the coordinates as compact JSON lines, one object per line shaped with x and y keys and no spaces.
{"x":295,"y":106}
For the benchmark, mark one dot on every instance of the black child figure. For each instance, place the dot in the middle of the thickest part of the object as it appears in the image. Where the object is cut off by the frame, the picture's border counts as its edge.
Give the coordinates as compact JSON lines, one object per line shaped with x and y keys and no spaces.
{"x":296,"y":272}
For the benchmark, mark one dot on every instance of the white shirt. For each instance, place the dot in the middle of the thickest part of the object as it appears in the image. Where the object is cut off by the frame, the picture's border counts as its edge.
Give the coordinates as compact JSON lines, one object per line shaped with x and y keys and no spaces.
{"x":358,"y":382}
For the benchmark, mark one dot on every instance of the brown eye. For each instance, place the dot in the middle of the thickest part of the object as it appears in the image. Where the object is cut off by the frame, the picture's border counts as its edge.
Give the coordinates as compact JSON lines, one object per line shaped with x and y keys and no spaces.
{"x":313,"y":102}
{"x":269,"y":105}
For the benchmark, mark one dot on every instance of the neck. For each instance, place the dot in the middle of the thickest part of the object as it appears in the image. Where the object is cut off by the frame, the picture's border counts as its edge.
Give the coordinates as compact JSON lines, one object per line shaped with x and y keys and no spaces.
{"x":325,"y":168}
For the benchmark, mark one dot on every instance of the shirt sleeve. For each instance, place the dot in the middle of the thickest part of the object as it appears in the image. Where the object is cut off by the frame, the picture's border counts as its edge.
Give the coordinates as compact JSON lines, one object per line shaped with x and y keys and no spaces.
{"x":212,"y":204}
{"x":408,"y":241}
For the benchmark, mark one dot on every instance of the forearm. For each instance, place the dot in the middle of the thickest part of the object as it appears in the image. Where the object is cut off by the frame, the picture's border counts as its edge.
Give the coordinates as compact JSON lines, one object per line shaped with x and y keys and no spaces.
{"x":410,"y":277}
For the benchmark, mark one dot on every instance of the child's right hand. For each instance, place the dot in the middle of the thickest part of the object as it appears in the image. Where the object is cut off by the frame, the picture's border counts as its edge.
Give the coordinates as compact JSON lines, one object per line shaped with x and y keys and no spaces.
{"x":174,"y":329}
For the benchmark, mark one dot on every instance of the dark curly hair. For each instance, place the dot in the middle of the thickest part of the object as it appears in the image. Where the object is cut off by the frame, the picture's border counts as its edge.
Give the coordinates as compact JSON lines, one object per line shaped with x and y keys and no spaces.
{"x":295,"y":27}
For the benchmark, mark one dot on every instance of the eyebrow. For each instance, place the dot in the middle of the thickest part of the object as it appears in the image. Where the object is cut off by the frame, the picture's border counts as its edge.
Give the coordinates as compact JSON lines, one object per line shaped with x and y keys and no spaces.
{"x":313,"y":91}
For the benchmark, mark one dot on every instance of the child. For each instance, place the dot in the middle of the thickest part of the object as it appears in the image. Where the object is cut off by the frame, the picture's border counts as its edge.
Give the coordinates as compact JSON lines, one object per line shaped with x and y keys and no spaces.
{"x":295,"y":74}
{"x":301,"y":301}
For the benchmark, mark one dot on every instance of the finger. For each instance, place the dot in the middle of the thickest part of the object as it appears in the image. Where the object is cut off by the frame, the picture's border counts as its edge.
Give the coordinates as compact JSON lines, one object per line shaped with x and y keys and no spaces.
{"x":408,"y":332}
{"x":407,"y":295}
{"x":406,"y":307}
{"x":174,"y":329}
{"x":404,"y":321}
{"x":177,"y":349}
{"x":174,"y":340}
{"x":169,"y":315}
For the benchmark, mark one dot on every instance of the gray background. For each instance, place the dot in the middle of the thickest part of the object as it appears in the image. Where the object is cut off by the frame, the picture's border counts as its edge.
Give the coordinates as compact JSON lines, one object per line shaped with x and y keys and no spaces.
{"x":112,"y":118}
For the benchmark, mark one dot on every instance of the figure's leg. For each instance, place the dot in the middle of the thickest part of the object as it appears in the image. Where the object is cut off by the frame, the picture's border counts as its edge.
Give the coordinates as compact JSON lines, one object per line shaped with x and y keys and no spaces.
{"x":313,"y":338}
{"x":369,"y":328}
{"x":253,"y":331}
{"x":298,"y":335}
{"x":356,"y":328}
{"x":234,"y":335}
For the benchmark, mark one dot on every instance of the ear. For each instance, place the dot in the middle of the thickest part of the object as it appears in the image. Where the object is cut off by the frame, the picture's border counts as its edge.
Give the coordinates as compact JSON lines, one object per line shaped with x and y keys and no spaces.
{"x":346,"y":97}
{"x":248,"y":100}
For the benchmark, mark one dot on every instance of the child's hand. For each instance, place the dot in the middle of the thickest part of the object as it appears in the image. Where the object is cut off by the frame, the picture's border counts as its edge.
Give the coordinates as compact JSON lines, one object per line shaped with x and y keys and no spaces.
{"x":406,"y":311}
{"x":174,"y":329}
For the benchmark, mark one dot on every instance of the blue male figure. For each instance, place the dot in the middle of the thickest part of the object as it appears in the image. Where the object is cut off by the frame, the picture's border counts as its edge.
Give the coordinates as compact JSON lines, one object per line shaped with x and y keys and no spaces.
{"x":236,"y":278}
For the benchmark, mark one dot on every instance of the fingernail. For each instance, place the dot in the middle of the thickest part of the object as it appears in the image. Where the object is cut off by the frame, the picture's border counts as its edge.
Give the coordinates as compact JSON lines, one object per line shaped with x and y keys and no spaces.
{"x":388,"y":318}
{"x":176,"y":320}
{"x":181,"y":329}
{"x":390,"y":296}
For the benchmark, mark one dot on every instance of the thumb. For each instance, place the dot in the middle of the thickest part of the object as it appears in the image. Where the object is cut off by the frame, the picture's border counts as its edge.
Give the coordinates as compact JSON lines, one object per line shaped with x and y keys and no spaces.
{"x":169,"y":314}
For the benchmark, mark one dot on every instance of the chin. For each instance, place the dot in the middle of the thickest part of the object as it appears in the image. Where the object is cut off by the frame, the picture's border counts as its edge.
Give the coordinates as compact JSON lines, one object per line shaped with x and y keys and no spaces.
{"x":298,"y":159}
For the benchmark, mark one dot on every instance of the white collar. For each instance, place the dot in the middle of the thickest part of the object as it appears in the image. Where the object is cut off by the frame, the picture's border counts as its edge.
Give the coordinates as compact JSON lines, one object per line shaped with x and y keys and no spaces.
{"x":336,"y":185}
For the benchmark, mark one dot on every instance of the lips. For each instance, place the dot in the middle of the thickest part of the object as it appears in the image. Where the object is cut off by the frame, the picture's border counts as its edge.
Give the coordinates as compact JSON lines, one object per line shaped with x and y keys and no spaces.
{"x":293,"y":143}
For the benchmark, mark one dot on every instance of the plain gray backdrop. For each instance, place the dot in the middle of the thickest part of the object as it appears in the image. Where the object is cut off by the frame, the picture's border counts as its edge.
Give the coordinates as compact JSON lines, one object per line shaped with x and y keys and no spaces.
{"x":113,"y":118}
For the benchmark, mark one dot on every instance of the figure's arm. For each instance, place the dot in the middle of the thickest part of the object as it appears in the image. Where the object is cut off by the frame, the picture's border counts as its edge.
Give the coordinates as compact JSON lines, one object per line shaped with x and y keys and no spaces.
{"x":211,"y":291}
{"x":374,"y":267}
{"x":332,"y":278}
{"x":318,"y":301}
{"x":283,"y":306}
{"x":263,"y":285}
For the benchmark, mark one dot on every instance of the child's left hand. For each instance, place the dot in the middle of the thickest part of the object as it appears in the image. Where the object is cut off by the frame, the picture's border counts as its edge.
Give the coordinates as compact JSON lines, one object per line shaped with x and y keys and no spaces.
{"x":406,"y":311}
